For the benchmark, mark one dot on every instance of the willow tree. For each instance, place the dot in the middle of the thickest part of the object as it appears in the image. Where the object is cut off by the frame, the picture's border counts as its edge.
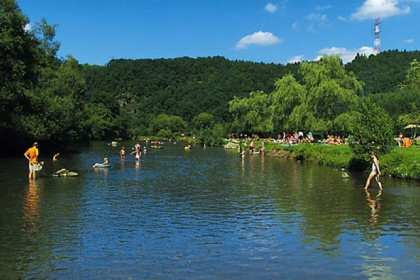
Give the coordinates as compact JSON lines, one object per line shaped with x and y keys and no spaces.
{"x":330,"y":92}
{"x":326,"y":93}
{"x":252,"y":114}
{"x":288,"y":97}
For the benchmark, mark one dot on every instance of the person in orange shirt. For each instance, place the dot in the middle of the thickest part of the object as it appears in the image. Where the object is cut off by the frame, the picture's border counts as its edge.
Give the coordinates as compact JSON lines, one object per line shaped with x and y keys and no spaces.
{"x":32,"y":155}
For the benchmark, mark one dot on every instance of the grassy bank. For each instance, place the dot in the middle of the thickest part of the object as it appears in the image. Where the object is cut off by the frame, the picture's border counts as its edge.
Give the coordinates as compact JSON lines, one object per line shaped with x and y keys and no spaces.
{"x":400,"y":162}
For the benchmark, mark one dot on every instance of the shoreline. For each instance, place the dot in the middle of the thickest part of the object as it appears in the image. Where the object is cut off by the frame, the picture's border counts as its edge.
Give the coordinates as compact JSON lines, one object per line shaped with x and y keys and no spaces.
{"x":402,"y":163}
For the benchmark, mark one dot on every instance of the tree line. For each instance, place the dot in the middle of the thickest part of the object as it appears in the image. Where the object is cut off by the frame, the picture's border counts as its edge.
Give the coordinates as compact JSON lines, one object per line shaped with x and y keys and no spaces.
{"x":59,"y":101}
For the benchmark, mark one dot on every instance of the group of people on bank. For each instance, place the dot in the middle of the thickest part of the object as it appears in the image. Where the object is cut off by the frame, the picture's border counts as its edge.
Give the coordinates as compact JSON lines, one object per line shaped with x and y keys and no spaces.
{"x":403,"y":141}
{"x":299,"y":137}
{"x":293,"y":138}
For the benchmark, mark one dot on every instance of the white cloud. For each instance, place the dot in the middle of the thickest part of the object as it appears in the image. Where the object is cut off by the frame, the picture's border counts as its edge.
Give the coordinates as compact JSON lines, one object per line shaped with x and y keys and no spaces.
{"x":322,"y":19}
{"x":372,"y":9}
{"x":295,"y":26}
{"x":295,"y":59}
{"x":258,"y":38}
{"x":271,"y":8}
{"x":345,"y":54}
{"x":342,"y":18}
{"x":27,"y":27}
{"x":409,"y":41}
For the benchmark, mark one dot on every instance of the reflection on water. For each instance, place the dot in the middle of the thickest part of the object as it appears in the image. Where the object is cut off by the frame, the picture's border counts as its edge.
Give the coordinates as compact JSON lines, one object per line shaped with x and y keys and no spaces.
{"x":204,"y":214}
{"x":31,"y":207}
{"x":375,"y":205}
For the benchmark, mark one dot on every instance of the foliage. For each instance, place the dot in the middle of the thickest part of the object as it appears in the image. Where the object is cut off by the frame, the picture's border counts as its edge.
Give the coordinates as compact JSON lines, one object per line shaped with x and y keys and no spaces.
{"x":399,"y":103}
{"x":288,"y":95}
{"x":59,"y":101}
{"x":338,"y":156}
{"x":412,"y":79}
{"x":373,"y":131}
{"x":328,"y":92}
{"x":331,"y":91}
{"x":170,"y":126}
{"x":251,"y":115}
{"x":213,"y":136}
{"x":399,"y":162}
{"x":207,"y":131}
{"x":203,"y":121}
{"x":41,"y":97}
{"x":383,"y":72}
{"x":402,"y":163}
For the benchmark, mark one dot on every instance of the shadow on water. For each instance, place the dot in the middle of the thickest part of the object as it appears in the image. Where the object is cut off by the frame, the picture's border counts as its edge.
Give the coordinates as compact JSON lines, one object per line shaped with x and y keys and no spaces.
{"x":205,"y":213}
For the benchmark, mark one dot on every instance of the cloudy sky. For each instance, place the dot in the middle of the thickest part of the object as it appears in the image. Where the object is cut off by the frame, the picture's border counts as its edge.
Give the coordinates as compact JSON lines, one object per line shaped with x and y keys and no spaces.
{"x":284,"y":31}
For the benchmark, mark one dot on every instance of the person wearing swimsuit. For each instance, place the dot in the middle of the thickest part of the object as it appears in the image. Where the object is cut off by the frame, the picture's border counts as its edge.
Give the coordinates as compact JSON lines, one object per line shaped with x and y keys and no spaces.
{"x":375,"y":173}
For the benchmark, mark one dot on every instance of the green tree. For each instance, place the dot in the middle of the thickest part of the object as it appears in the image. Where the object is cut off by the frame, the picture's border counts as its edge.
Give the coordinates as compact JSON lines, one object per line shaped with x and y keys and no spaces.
{"x":412,"y":79}
{"x":55,"y":112}
{"x":17,"y":64}
{"x":203,"y":121}
{"x":168,"y":125}
{"x":288,"y":95}
{"x":253,"y":114}
{"x":330,"y":91}
{"x":373,"y":131}
{"x":412,"y":118}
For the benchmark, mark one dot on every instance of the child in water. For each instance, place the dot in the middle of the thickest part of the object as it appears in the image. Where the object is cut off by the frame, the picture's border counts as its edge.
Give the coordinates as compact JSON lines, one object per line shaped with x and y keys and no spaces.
{"x":100,"y":164}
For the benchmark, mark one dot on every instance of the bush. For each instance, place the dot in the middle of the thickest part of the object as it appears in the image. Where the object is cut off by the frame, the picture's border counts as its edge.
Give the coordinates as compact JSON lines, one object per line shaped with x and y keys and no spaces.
{"x":402,"y":163}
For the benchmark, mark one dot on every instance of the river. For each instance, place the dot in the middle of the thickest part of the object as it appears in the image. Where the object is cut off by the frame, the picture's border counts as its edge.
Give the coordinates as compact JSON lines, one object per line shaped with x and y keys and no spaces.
{"x":203,"y":214}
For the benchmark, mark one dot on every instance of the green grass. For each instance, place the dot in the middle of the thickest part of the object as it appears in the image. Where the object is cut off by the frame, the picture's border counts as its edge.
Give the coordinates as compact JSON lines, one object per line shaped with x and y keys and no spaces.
{"x":402,"y":163}
{"x":399,"y":162}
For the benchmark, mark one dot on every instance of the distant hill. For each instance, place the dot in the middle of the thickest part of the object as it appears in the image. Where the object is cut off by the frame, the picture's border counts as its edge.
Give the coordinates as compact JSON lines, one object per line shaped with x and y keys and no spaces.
{"x":383,"y":72}
{"x":182,"y":86}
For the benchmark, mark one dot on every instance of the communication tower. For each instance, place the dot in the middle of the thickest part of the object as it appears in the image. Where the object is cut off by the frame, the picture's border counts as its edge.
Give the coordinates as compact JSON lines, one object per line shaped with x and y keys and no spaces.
{"x":377,"y":41}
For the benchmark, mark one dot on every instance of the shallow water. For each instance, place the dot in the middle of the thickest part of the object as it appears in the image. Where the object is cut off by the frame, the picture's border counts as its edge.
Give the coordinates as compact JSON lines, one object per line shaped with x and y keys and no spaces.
{"x":203,"y":214}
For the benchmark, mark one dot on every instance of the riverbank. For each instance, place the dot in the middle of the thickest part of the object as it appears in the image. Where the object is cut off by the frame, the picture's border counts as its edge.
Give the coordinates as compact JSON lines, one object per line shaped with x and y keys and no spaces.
{"x":401,"y":163}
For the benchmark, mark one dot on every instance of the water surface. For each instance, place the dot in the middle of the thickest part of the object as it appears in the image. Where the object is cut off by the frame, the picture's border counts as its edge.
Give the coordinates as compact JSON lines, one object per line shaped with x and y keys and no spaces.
{"x":203,"y":214}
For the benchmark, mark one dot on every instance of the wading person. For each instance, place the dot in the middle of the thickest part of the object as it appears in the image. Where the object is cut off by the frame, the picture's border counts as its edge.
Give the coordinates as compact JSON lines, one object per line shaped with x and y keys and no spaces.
{"x":375,"y":173}
{"x":32,"y":155}
{"x":122,"y":153}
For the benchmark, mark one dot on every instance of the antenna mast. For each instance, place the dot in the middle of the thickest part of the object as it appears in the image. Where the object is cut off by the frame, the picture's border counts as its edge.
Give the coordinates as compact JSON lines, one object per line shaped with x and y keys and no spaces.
{"x":377,"y":41}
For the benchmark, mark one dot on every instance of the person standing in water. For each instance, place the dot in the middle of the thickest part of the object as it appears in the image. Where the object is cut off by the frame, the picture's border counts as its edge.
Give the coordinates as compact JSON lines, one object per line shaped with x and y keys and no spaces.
{"x":375,"y":173}
{"x":32,"y":155}
{"x":137,"y":152}
{"x":122,"y":153}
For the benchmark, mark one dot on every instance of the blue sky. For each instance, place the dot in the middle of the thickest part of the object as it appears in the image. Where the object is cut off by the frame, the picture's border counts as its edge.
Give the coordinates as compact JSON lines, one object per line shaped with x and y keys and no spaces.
{"x":96,"y":31}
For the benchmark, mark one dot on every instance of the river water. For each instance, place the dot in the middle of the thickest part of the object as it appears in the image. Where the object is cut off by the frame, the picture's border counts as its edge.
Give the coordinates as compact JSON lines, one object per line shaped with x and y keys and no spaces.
{"x":203,"y":214}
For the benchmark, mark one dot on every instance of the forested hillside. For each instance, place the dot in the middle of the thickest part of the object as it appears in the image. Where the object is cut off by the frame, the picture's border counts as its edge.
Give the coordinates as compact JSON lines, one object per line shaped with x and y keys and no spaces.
{"x":58,"y":101}
{"x":183,"y":87}
{"x":383,"y":72}
{"x":135,"y":92}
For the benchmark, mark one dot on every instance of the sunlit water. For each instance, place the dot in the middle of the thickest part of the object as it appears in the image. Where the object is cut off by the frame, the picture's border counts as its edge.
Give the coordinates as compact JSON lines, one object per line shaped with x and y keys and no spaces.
{"x":203,"y":214}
